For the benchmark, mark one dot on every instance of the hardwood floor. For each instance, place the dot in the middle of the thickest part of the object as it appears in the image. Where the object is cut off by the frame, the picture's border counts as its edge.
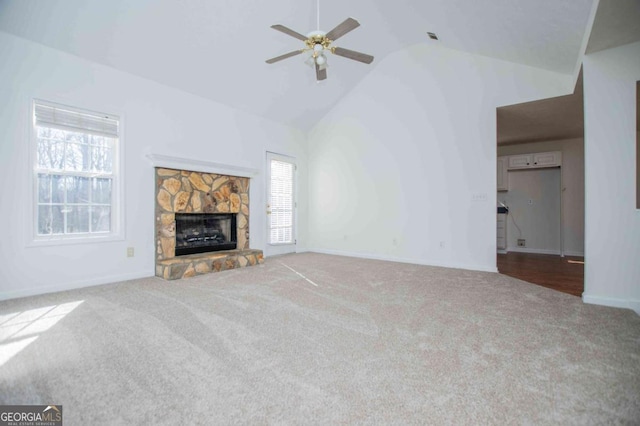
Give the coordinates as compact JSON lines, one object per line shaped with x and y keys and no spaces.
{"x":565,"y":274}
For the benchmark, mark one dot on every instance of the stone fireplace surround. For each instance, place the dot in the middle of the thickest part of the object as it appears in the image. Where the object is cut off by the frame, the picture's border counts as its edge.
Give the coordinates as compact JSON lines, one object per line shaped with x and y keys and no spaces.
{"x":185,"y":191}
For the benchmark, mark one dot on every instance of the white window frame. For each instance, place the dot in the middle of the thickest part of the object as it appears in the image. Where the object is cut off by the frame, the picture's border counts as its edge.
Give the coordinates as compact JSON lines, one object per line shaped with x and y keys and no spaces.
{"x":116,"y":232}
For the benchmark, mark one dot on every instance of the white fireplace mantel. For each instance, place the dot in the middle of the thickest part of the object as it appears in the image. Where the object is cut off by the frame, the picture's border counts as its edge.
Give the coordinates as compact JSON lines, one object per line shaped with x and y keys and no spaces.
{"x":171,"y":162}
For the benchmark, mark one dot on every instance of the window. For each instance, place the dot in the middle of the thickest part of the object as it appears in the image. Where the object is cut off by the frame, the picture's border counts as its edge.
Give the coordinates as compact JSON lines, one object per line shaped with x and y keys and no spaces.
{"x":75,"y":172}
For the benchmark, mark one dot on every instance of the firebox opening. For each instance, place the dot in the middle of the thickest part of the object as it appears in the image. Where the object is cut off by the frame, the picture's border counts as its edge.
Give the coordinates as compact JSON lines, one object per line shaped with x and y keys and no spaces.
{"x":205,"y":232}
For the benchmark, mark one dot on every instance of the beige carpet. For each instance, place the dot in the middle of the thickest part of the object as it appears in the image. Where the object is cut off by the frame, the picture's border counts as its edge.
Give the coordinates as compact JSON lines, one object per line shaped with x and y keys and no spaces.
{"x":320,"y":339}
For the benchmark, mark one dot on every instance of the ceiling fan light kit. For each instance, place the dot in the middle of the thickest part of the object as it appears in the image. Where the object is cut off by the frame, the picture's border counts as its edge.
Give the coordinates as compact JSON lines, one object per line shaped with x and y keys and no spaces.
{"x":318,"y":43}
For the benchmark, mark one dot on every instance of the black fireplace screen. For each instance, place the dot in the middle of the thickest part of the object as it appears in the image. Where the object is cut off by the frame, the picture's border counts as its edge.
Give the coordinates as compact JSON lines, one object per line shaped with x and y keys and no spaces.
{"x":203,"y":232}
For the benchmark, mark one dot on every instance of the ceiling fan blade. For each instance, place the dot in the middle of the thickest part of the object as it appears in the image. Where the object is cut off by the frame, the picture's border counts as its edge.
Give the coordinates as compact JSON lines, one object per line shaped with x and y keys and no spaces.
{"x":285,"y":56}
{"x":321,"y":74}
{"x":352,"y":54}
{"x":349,"y":24}
{"x":289,"y":31}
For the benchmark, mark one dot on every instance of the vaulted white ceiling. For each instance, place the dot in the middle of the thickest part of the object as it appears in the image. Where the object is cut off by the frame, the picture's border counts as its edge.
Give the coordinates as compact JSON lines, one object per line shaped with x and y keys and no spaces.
{"x":617,"y":22}
{"x":217,"y":49}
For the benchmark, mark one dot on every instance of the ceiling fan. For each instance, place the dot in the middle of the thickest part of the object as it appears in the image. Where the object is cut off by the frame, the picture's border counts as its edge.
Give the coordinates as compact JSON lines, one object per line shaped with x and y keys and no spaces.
{"x":318,"y":43}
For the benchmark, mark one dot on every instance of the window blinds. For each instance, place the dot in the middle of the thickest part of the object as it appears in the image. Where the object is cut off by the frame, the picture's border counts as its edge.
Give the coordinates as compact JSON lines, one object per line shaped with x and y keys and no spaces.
{"x":281,"y":202}
{"x":47,"y":115}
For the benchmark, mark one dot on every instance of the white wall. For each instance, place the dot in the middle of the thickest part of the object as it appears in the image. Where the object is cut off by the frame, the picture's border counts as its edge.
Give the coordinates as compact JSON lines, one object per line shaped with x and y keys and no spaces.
{"x":394,"y":166}
{"x":572,"y":183}
{"x":155,"y":118}
{"x":534,"y":210}
{"x":612,"y":223}
{"x":638,"y":155}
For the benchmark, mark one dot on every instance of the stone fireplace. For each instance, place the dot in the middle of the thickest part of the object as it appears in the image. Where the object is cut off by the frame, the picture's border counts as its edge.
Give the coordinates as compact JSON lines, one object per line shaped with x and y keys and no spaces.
{"x":197,"y":212}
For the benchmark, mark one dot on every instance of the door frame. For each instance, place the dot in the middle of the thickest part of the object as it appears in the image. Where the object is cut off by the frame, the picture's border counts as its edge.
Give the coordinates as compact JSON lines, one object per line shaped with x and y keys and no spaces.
{"x":279,"y":249}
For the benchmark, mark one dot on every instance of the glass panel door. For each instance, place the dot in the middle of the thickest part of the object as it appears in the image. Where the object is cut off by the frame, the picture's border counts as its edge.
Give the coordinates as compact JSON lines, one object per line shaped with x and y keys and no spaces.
{"x":281,"y":171}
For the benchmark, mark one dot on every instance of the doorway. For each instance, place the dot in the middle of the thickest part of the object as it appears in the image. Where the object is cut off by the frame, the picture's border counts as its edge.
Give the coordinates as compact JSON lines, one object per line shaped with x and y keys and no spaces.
{"x":281,"y":204}
{"x":543,"y":126}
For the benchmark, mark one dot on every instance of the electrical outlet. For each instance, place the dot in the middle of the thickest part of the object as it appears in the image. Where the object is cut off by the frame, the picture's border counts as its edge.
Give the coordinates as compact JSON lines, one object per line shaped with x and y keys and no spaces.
{"x":129,"y":251}
{"x":522,"y":242}
{"x":479,"y":197}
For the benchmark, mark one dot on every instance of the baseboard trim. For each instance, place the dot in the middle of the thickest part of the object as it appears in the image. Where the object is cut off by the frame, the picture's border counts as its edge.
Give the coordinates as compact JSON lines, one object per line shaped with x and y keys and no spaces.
{"x":540,"y":251}
{"x":634,"y":305}
{"x":481,"y":268}
{"x":533,"y":251}
{"x":15,"y":294}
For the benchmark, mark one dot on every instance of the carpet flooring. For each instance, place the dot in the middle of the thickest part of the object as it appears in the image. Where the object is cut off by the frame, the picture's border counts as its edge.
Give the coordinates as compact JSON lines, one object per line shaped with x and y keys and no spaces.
{"x":312,"y":338}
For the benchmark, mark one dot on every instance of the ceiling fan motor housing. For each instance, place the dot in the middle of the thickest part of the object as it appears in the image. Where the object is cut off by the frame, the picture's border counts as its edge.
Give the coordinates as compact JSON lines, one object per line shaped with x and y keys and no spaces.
{"x":315,"y":39}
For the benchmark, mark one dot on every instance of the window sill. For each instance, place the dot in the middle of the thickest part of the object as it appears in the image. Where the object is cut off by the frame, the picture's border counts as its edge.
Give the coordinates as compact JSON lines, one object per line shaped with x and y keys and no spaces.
{"x":53,"y":241}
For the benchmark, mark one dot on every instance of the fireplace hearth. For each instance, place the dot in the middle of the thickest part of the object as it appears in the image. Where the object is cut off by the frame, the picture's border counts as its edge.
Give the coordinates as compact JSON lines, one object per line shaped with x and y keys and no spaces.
{"x":205,"y":232}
